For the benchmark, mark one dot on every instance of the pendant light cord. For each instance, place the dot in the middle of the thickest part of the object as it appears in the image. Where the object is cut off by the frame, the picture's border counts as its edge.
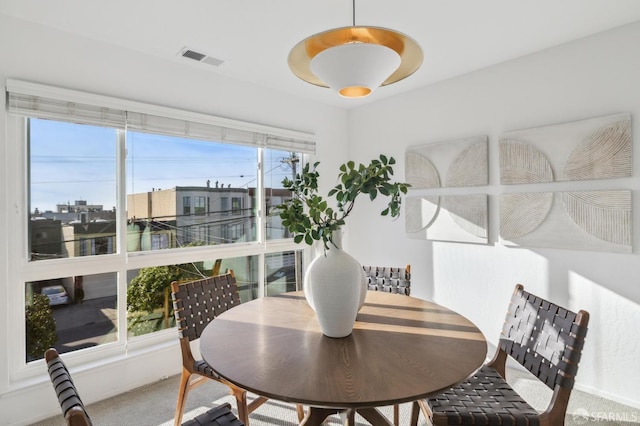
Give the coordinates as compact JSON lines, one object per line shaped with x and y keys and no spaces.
{"x":354,"y":13}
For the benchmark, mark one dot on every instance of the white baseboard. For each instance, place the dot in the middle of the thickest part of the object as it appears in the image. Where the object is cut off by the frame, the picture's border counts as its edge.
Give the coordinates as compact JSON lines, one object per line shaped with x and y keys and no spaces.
{"x":607,"y":395}
{"x":585,"y":388}
{"x":28,"y":405}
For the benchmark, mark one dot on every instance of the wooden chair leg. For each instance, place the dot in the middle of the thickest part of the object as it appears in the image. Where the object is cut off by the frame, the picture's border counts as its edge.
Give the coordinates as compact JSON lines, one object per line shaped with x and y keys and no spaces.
{"x":241,"y":404}
{"x":424,"y":407}
{"x":416,"y":407}
{"x":396,"y":415}
{"x":300,"y":411}
{"x":182,"y":396}
{"x":251,"y":407}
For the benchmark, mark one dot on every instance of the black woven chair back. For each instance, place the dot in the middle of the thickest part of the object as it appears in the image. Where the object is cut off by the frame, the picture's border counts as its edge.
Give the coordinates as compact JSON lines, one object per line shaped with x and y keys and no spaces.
{"x":197,"y":303}
{"x":545,"y":338}
{"x":389,"y":279}
{"x":76,"y":415}
{"x":70,"y":402}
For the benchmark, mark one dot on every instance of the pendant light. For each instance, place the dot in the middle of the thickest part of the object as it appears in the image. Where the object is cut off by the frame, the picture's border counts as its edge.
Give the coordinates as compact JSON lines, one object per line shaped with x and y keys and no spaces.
{"x":355,"y":60}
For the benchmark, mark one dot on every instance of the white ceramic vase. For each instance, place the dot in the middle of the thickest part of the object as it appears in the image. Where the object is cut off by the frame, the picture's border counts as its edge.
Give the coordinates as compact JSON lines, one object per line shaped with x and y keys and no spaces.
{"x":335,"y":287}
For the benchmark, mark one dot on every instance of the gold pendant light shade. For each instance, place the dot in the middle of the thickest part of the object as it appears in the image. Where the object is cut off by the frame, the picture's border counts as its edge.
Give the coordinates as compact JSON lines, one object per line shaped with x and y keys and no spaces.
{"x":355,"y":60}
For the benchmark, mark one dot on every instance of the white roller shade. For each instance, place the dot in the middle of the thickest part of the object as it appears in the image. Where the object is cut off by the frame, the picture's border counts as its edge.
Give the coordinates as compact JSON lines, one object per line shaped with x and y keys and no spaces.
{"x":36,"y":100}
{"x":290,"y":144}
{"x":192,"y":129}
{"x":62,"y":110}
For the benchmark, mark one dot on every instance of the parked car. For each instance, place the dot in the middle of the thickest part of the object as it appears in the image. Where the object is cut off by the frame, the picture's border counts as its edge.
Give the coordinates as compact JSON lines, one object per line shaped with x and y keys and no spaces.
{"x":57,"y":294}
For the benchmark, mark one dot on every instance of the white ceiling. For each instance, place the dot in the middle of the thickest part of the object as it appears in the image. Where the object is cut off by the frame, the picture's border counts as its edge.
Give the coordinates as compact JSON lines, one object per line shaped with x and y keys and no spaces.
{"x":254,"y":37}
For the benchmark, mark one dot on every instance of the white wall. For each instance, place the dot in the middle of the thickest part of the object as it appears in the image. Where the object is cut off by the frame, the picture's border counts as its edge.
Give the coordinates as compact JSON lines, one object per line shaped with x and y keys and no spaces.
{"x":592,"y":77}
{"x":33,"y":53}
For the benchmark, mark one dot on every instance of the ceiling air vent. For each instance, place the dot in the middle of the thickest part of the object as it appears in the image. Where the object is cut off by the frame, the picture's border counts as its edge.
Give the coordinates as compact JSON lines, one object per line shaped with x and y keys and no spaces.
{"x":200,"y":57}
{"x":188,"y":53}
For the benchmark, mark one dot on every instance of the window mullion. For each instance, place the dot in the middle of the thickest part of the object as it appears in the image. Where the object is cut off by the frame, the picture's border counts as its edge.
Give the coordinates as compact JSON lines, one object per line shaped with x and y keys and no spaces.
{"x":261,"y":222}
{"x":121,"y":234}
{"x":260,"y":207}
{"x":262,"y":276}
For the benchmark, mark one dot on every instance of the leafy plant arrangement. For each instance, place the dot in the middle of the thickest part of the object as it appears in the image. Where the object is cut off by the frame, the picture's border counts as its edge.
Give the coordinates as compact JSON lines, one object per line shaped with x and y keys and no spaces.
{"x":310,"y":218}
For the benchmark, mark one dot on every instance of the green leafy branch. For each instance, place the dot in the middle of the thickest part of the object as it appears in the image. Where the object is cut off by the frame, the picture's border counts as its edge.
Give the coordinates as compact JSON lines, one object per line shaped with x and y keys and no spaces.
{"x":310,"y":218}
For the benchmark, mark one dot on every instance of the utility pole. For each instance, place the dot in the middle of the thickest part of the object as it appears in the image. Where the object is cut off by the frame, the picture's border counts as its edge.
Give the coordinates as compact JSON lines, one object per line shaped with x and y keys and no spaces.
{"x":292,"y":161}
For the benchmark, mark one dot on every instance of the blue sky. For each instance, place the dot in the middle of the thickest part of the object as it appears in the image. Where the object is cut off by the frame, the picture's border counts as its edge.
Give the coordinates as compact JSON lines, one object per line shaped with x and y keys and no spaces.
{"x":72,"y":162}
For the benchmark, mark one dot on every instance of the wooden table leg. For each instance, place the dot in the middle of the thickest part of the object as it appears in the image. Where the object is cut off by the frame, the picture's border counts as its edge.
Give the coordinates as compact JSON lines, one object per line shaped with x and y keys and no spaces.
{"x":351,"y":417}
{"x":415,"y":413}
{"x":416,"y":407}
{"x":396,"y":415}
{"x":316,"y":415}
{"x":374,"y":417}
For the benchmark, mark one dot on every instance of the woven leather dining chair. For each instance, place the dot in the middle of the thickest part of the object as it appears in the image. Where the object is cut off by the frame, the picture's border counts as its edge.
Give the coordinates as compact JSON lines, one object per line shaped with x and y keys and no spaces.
{"x":547,"y":340}
{"x":389,"y":279}
{"x":75,"y":413}
{"x":72,"y":407}
{"x":195,"y":304}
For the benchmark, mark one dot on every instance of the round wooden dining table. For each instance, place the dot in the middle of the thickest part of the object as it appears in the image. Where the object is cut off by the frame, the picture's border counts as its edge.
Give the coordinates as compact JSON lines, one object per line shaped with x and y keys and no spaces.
{"x":401,"y":349}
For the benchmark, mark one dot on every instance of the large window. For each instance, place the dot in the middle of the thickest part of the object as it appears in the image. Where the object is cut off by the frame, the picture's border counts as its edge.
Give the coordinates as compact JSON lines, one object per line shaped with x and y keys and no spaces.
{"x":164,"y":170}
{"x":148,"y":290}
{"x":70,"y":313}
{"x":72,"y":190}
{"x":278,"y":166}
{"x":132,"y":187}
{"x":283,"y":271}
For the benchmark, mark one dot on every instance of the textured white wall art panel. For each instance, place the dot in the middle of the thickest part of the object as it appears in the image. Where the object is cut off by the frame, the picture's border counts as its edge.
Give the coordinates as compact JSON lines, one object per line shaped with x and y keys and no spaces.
{"x":458,"y":218}
{"x":521,"y":214}
{"x":521,"y":162}
{"x":579,"y":220}
{"x":420,"y":171}
{"x":597,"y":148}
{"x":455,"y":163}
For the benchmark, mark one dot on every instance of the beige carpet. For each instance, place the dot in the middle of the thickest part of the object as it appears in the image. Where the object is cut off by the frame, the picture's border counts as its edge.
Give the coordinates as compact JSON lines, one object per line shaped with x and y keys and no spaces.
{"x":153,"y":405}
